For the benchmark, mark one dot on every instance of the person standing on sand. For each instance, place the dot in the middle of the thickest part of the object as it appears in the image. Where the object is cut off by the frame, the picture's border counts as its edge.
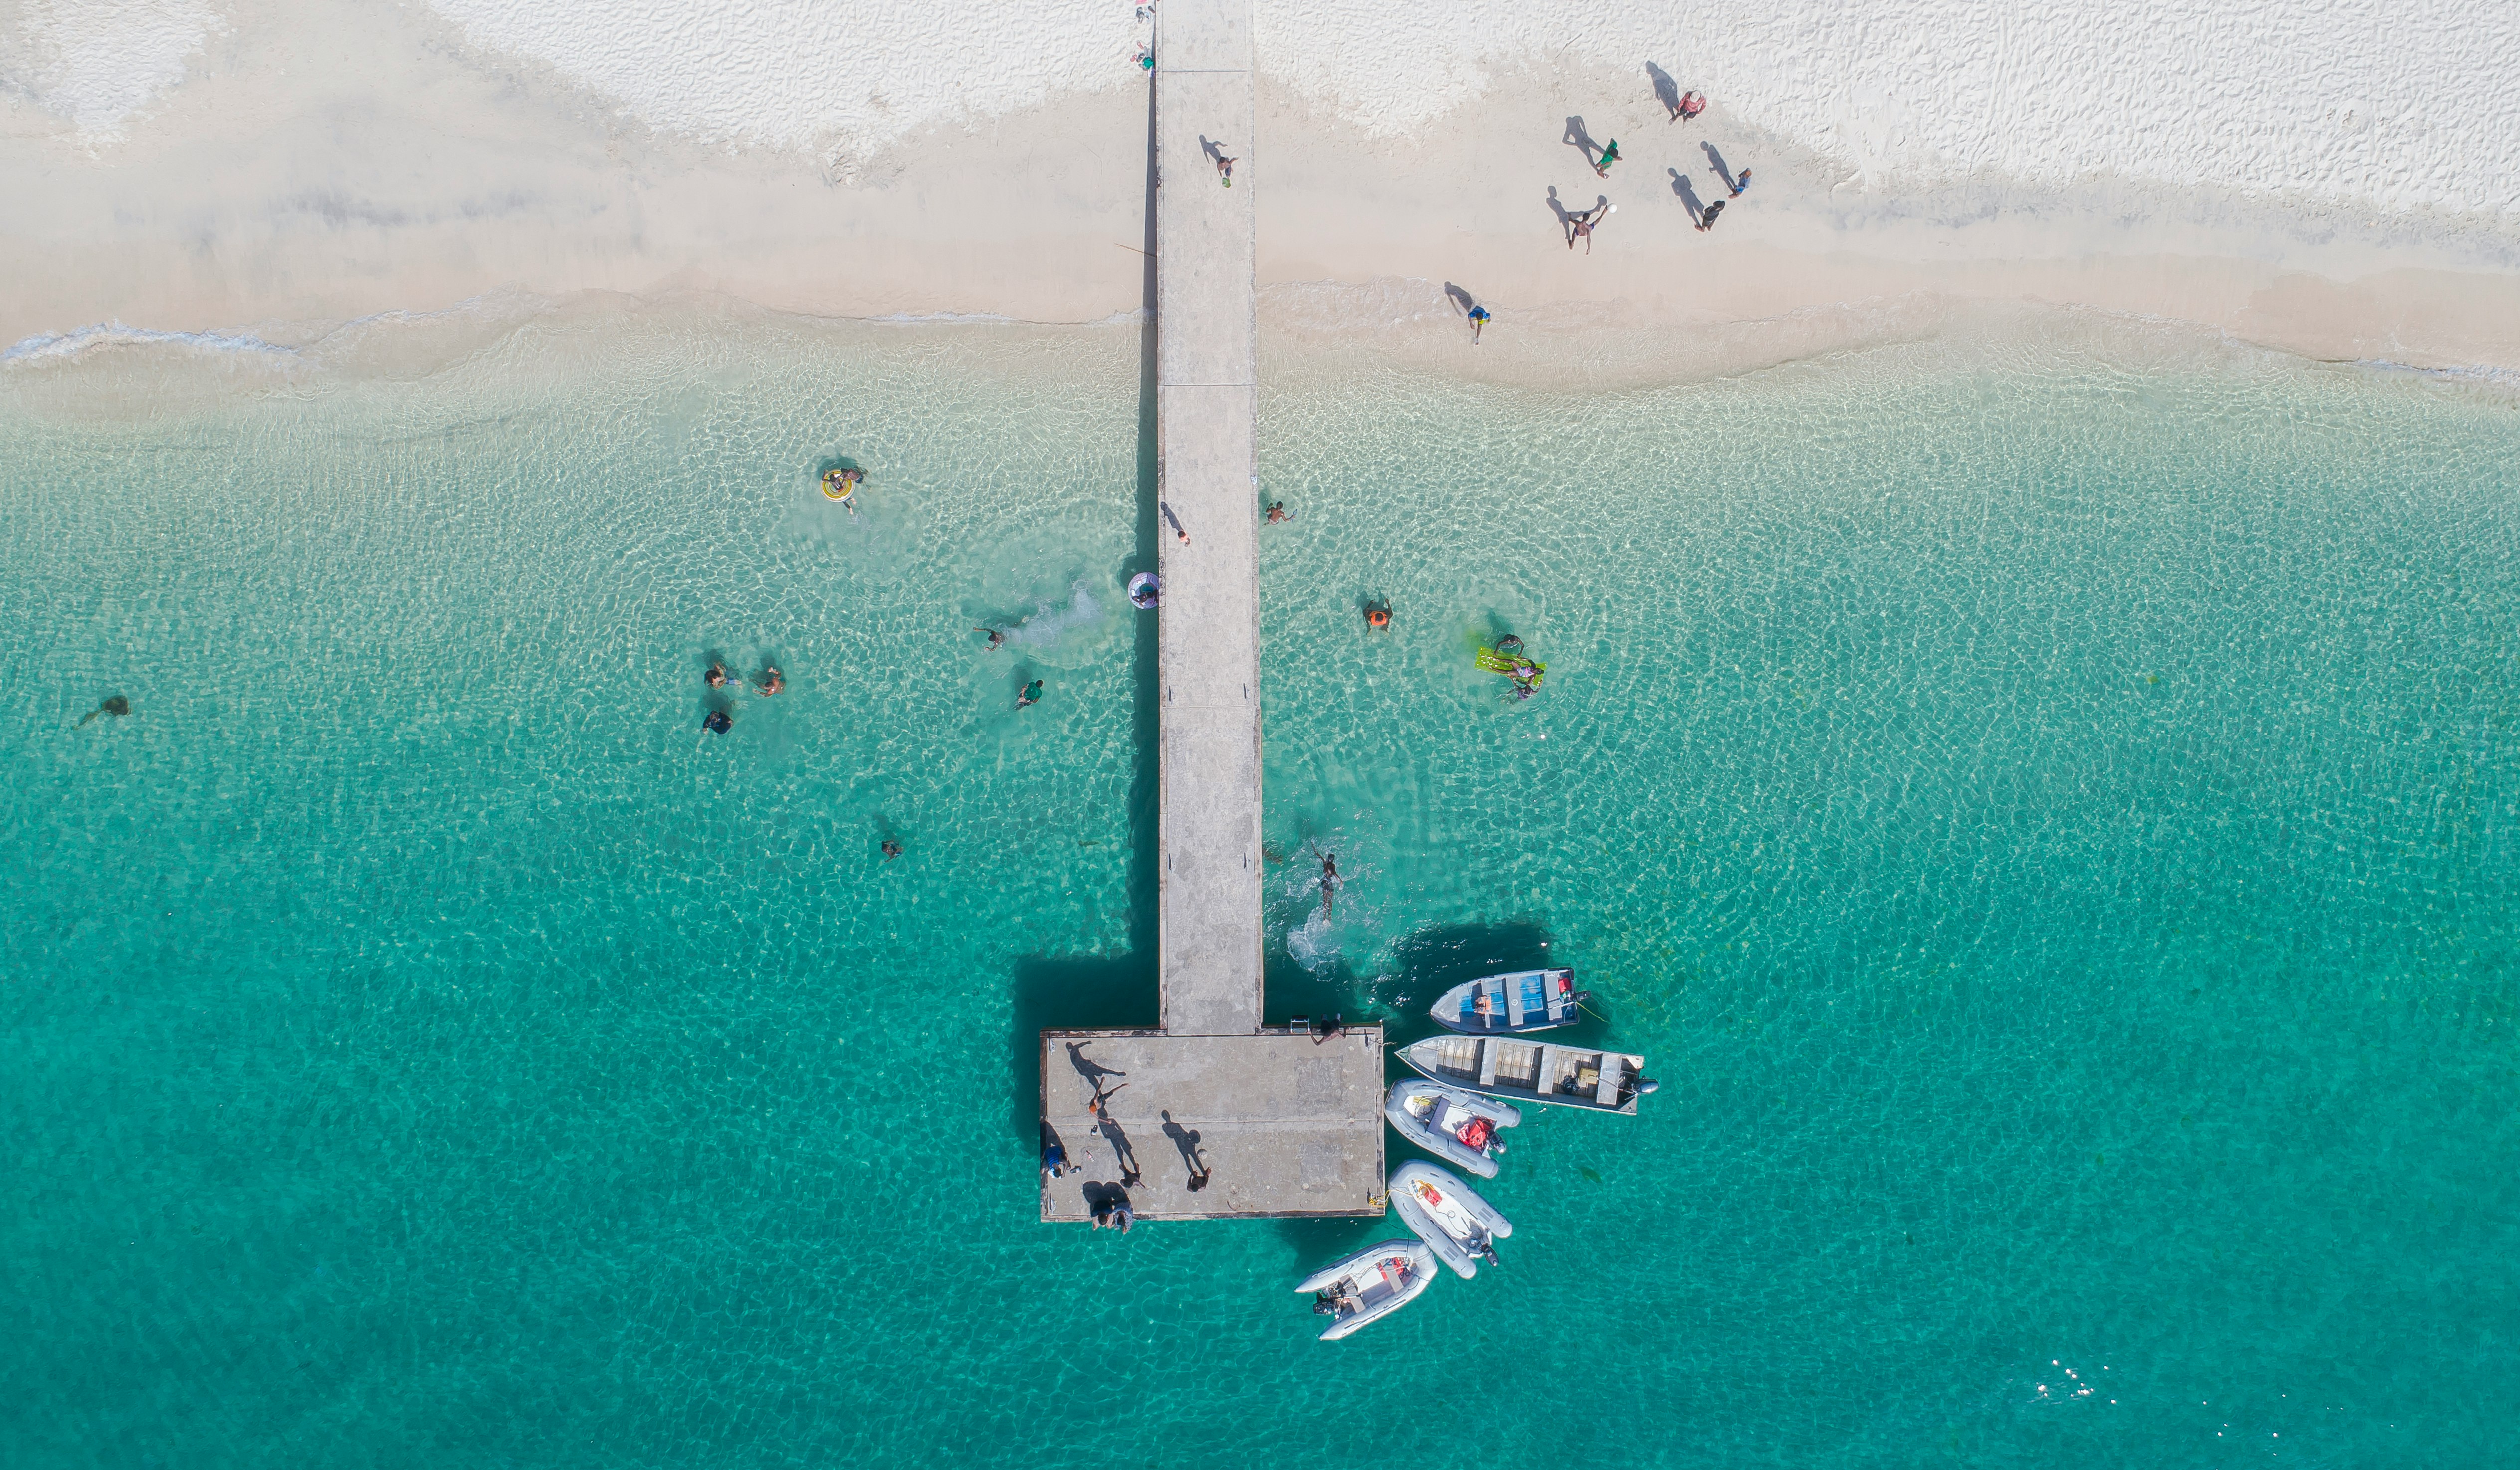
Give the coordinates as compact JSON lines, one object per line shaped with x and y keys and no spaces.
{"x":1610,"y":155}
{"x":1479,"y":319}
{"x":1690,"y":105}
{"x":1706,"y":221}
{"x":1581,"y":226}
{"x":1741,"y":182}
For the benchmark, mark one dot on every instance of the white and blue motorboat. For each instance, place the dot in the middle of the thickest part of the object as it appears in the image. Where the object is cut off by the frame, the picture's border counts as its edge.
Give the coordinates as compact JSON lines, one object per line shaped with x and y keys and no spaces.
{"x":1510,"y":1004}
{"x":1449,"y":1215}
{"x":1456,"y":1125}
{"x":1370,"y":1285}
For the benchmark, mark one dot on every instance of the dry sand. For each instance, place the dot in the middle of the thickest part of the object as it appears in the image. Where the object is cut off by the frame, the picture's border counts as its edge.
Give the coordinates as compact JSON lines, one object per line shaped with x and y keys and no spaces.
{"x":355,"y":163}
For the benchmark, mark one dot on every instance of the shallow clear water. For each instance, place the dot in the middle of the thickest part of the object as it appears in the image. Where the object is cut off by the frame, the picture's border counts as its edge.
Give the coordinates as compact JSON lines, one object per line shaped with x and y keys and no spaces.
{"x":2049,"y":822}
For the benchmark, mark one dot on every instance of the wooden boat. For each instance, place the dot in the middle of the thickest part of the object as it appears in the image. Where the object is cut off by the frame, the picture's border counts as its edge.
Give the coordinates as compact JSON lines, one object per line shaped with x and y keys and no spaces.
{"x":1510,"y":1004}
{"x":1456,"y":1125}
{"x":1532,"y":1072}
{"x":1449,"y":1215}
{"x":1370,"y":1285}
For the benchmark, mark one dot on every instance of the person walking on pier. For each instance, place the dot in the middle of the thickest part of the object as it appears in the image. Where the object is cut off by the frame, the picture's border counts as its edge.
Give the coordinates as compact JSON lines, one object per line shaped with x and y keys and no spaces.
{"x":1224,"y":167}
{"x":1174,"y":520}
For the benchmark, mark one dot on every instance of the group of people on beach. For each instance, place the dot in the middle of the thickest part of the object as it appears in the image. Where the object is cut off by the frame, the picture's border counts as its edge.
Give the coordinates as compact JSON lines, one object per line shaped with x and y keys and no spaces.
{"x":719,"y":720}
{"x":1579,"y":224}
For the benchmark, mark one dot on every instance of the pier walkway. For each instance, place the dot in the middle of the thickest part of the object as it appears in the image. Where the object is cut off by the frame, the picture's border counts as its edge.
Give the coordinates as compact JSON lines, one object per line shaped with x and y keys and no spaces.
{"x":1267,"y":1124}
{"x":1206,"y":413}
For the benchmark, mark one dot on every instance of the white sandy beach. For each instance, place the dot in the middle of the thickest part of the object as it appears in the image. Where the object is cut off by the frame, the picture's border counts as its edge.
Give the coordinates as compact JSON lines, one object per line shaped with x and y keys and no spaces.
{"x":2341,"y":182}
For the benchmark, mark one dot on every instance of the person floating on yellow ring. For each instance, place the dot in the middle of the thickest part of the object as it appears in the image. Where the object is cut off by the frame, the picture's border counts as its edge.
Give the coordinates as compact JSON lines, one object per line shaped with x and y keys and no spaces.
{"x":841,"y":484}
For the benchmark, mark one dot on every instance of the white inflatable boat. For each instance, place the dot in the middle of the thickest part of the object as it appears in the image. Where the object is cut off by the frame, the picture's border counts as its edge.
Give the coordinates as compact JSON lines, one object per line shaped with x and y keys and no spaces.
{"x":1449,"y":1215}
{"x":1372,"y":1284}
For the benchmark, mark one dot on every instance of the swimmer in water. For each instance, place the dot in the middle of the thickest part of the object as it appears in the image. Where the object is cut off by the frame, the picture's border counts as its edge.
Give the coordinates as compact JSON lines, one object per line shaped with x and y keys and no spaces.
{"x":1329,"y":882}
{"x":771,"y":682}
{"x":1377,"y":614}
{"x":718,"y":722}
{"x":1276,"y":511}
{"x":716,"y":675}
{"x":997,"y":640}
{"x":891,"y":850}
{"x":1031,"y":695}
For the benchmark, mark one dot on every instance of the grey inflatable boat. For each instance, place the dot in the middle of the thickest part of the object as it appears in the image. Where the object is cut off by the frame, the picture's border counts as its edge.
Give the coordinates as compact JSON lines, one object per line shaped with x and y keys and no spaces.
{"x":1449,"y":1215}
{"x":1456,"y":1126}
{"x":1372,"y":1284}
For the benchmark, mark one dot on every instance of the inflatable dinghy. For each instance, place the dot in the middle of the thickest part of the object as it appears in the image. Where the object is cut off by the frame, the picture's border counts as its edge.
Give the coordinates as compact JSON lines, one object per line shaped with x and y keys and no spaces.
{"x":1370,"y":1285}
{"x":1449,"y":1215}
{"x":1456,"y":1126}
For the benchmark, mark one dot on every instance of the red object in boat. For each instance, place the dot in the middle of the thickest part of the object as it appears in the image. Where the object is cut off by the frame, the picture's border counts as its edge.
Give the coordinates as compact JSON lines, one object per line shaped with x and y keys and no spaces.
{"x":1479,"y":1131}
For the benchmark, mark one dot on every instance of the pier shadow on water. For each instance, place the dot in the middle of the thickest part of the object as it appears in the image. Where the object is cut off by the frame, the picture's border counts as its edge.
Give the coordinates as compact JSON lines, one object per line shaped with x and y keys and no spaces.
{"x":1086,"y":992}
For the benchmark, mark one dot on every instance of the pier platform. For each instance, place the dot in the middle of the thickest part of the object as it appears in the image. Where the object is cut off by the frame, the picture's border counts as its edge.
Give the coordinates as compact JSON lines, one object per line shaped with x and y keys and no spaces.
{"x":1280,"y":1125}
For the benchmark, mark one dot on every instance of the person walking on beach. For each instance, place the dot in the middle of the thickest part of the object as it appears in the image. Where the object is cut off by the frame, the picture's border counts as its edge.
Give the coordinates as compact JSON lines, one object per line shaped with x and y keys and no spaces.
{"x":1610,"y":155}
{"x":1740,"y":182}
{"x":1581,"y":226}
{"x":1479,"y":319}
{"x":1706,"y":221}
{"x":1690,"y":105}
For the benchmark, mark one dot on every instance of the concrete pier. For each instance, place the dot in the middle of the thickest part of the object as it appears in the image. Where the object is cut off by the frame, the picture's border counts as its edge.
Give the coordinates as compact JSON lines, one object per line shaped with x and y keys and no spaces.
{"x":1206,"y":444}
{"x":1267,"y":1124}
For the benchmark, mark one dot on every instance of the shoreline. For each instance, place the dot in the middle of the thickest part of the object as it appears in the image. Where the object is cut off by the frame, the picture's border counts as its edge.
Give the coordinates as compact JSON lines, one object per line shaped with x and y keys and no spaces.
{"x":287,"y":220}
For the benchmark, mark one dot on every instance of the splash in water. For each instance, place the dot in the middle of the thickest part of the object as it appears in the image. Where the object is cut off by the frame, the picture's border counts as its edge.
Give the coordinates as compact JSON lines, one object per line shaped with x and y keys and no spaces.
{"x":1050,"y":621}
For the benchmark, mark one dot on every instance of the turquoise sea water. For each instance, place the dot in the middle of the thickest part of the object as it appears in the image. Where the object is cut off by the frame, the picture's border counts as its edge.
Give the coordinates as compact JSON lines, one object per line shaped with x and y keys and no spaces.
{"x":2048,"y":819}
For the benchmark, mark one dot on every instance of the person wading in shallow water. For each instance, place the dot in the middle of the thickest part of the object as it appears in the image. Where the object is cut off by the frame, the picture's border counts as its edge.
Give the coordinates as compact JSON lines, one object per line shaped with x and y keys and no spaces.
{"x":771,"y":682}
{"x":1031,"y":695}
{"x":718,"y":722}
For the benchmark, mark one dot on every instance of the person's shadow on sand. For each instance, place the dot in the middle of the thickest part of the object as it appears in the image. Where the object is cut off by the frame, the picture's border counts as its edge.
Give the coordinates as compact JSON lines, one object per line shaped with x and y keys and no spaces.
{"x":1722,"y":173}
{"x":1666,"y":90}
{"x":1687,"y":195}
{"x":1580,"y":140}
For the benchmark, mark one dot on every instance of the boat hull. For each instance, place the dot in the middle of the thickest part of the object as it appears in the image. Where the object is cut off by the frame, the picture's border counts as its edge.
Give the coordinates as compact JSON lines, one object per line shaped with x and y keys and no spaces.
{"x":1453,"y":1245}
{"x":1367,"y":1275}
{"x":1436,"y":1135}
{"x":1520,"y":1003}
{"x":1526,"y":1073}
